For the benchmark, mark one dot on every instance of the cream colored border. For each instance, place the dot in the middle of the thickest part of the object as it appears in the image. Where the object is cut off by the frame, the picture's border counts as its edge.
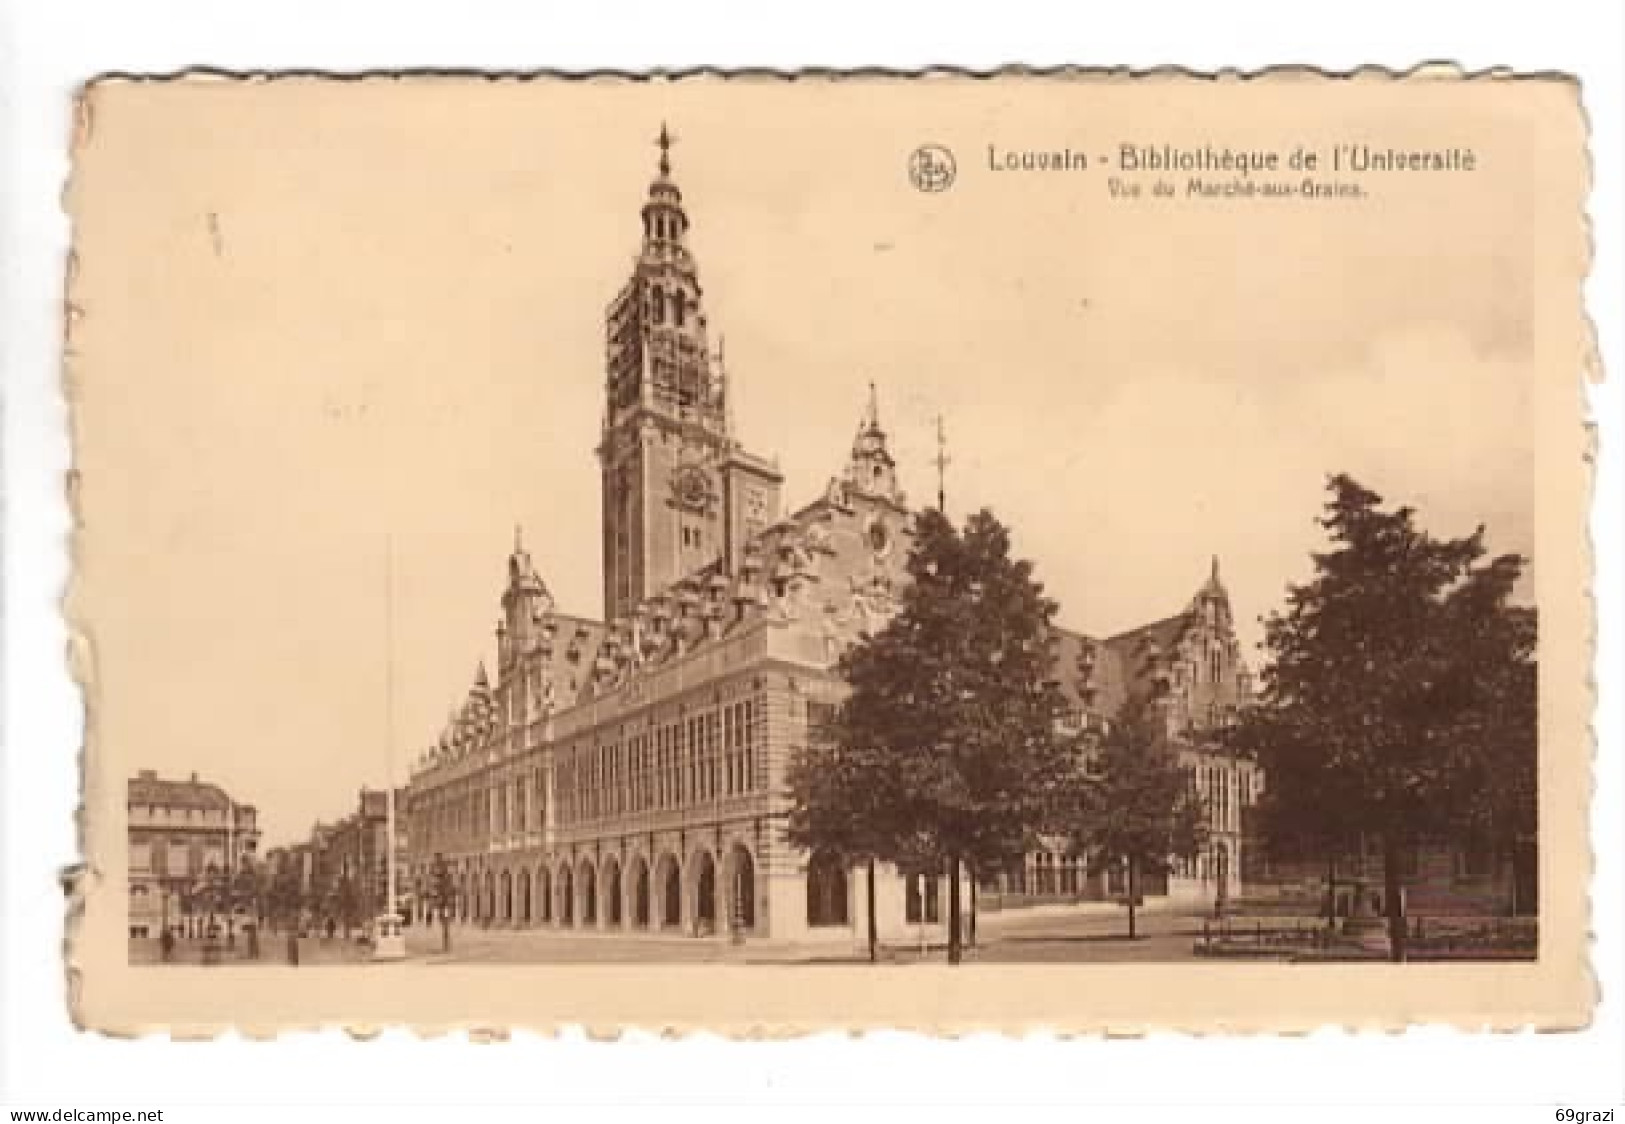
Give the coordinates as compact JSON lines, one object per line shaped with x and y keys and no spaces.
{"x":1555,"y":992}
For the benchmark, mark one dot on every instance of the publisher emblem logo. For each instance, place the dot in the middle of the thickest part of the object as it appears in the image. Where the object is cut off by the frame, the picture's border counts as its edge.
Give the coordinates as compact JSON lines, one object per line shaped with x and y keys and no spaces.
{"x":931,"y":168}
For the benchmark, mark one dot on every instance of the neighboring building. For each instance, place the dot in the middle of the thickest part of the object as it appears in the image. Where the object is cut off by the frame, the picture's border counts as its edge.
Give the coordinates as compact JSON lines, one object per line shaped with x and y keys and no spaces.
{"x":182,"y":834}
{"x":629,"y":773}
{"x":1189,"y":670}
{"x":354,"y":852}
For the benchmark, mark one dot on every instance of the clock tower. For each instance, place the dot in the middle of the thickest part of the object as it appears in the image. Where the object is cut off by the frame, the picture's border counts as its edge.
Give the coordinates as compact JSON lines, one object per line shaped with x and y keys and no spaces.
{"x":677,"y":490}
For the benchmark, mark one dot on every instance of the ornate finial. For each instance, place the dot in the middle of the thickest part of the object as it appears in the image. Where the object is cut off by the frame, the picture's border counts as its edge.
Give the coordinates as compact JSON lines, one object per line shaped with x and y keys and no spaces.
{"x":518,"y":539}
{"x":1214,"y":577}
{"x":874,"y":406}
{"x":664,"y":141}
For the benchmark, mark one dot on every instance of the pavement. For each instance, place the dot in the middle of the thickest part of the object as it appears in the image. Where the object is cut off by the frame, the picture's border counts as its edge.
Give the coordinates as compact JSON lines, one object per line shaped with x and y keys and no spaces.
{"x":1084,"y":936}
{"x":1088,"y":933}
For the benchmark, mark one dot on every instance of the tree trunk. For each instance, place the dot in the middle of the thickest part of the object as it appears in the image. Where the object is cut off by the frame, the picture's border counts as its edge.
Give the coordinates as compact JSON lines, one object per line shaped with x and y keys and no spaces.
{"x":1133,"y":882}
{"x":1512,"y":859}
{"x":874,"y":941}
{"x":954,"y":950}
{"x":973,"y":880}
{"x":1393,"y":905}
{"x":1331,"y":891}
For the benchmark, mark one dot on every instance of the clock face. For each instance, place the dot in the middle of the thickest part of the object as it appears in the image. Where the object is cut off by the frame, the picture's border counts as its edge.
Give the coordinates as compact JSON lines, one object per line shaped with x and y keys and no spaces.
{"x":755,"y":504}
{"x":691,"y":487}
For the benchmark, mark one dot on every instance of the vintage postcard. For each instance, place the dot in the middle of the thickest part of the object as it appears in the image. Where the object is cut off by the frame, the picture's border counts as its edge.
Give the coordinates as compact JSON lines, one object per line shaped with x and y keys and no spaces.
{"x":762,"y":554}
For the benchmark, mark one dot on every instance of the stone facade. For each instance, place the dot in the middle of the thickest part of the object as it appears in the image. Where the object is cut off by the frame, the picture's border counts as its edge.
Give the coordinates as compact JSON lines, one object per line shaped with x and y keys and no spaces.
{"x":628,"y":774}
{"x":182,"y":834}
{"x":1191,"y":665}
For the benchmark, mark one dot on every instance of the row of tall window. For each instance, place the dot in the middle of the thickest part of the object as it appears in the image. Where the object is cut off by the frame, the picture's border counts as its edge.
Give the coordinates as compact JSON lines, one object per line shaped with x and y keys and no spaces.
{"x":1041,"y":873}
{"x":186,"y":815}
{"x":452,"y":816}
{"x":174,"y":859}
{"x":1057,"y":874}
{"x":689,"y":761}
{"x":1226,"y":790}
{"x":1211,"y":865}
{"x":520,"y":804}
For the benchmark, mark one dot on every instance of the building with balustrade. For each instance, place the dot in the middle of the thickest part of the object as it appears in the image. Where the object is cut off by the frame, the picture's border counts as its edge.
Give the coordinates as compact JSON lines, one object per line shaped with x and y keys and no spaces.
{"x":626,"y":773}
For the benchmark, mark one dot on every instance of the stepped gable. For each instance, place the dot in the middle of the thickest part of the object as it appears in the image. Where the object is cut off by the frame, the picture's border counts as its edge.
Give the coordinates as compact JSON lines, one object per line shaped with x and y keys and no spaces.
{"x":1191,"y":661}
{"x":829,"y":572}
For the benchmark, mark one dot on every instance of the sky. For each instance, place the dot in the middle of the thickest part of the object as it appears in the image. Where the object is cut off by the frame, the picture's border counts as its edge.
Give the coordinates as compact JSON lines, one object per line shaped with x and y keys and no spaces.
{"x":318,"y":325}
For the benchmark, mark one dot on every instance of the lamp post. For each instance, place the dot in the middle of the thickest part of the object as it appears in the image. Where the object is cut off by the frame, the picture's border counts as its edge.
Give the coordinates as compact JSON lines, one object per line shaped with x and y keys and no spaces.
{"x":391,"y":942}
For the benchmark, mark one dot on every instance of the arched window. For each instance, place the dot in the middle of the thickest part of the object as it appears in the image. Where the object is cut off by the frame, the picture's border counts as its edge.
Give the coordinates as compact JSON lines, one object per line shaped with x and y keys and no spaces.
{"x":826,"y":892}
{"x":657,"y":304}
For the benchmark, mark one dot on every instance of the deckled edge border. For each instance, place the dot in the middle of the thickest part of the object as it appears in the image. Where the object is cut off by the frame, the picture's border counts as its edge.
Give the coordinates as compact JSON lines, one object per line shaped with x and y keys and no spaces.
{"x":84,"y":878}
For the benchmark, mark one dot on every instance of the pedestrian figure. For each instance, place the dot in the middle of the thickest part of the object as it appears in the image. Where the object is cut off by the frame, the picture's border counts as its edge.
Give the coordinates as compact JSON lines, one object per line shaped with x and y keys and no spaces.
{"x":166,"y":944}
{"x":293,"y":948}
{"x":332,"y":926}
{"x":253,"y":942}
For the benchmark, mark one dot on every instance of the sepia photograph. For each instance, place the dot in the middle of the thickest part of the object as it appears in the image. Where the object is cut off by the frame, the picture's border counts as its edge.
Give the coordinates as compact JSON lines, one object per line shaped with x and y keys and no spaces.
{"x":1096,"y":538}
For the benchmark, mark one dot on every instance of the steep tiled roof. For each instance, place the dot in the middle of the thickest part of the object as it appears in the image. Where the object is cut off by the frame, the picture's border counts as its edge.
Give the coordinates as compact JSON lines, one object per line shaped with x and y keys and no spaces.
{"x":1105,"y":690}
{"x":1140,"y":652}
{"x":1158,"y":635}
{"x":586,"y":637}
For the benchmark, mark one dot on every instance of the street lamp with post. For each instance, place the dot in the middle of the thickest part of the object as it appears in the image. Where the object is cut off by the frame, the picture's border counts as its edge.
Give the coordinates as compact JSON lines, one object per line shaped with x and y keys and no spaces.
{"x":390,"y":943}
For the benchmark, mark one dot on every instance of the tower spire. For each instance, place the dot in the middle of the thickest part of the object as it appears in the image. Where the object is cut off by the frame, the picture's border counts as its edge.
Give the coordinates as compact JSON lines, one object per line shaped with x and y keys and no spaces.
{"x":664,"y":142}
{"x":871,"y":468}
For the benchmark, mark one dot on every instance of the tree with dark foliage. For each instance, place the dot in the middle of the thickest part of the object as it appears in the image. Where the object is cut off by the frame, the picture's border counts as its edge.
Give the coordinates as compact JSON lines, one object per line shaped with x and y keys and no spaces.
{"x":1134,"y":809}
{"x":1400,"y":693}
{"x":443,"y":898}
{"x":843,"y":793}
{"x":947,"y":745}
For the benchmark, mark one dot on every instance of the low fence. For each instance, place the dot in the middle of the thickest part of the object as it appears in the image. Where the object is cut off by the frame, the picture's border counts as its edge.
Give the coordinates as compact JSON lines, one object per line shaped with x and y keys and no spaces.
{"x":1446,"y":938}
